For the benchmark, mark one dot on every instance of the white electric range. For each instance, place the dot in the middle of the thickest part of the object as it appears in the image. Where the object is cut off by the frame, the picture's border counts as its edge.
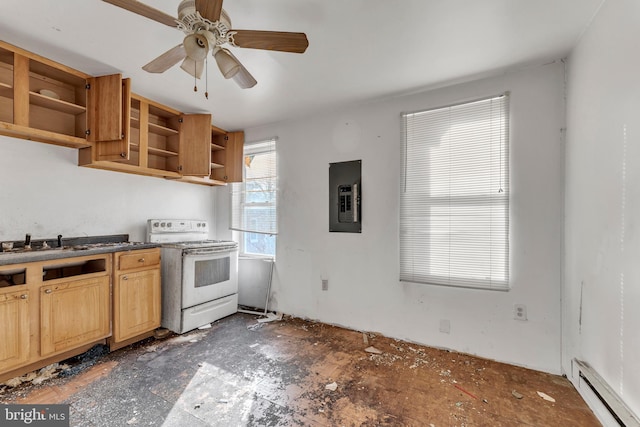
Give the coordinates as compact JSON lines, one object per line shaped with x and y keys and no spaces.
{"x":199,"y":276}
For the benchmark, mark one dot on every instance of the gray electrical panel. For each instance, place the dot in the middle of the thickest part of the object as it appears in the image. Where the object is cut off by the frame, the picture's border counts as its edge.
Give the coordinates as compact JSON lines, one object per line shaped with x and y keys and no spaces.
{"x":345,"y":195}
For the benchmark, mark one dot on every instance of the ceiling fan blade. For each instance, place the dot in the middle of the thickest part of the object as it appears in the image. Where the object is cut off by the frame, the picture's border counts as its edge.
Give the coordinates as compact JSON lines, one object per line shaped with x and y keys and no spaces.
{"x":271,"y":40}
{"x":167,"y":60}
{"x":144,"y":10}
{"x":209,"y":9}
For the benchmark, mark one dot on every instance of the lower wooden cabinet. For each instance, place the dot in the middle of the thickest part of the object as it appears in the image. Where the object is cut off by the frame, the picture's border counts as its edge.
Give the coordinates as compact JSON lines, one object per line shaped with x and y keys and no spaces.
{"x":136,"y":294}
{"x":137,"y":304}
{"x":14,"y":333}
{"x":73,"y":313}
{"x":52,"y":310}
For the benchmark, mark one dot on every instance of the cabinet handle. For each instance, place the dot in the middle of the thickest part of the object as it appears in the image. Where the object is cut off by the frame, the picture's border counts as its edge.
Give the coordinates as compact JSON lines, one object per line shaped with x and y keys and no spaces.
{"x":141,"y":260}
{"x":125,"y":277}
{"x":23,"y":296}
{"x":47,"y":291}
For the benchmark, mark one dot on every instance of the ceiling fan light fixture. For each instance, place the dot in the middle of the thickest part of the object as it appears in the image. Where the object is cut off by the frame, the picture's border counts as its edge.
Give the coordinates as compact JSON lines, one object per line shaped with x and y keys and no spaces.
{"x":228,"y":65}
{"x":197,"y":46}
{"x":193,"y":67}
{"x":244,"y":79}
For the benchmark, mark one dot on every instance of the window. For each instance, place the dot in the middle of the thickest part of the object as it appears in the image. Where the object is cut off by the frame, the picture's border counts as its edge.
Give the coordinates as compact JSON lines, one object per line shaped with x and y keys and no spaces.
{"x":253,"y":201}
{"x":454,"y":202}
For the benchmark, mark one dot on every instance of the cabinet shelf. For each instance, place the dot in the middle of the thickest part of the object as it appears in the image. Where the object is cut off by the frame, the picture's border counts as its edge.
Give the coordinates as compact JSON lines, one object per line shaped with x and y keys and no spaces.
{"x":161,"y":130}
{"x":55,"y":104}
{"x":135,"y":122}
{"x":162,"y":153}
{"x":216,"y":166}
{"x":154,"y":151}
{"x":6,"y":91}
{"x":216,"y":147}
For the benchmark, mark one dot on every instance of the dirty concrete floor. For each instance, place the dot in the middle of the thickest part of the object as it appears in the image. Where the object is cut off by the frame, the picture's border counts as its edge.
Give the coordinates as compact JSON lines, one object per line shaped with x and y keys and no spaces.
{"x":238,"y":374}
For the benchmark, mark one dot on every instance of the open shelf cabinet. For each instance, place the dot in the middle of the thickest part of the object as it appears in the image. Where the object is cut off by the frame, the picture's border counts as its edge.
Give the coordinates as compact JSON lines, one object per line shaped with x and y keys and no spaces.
{"x":45,"y":101}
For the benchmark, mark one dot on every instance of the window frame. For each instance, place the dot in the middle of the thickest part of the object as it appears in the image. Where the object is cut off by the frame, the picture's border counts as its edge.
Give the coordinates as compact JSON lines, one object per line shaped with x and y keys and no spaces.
{"x":239,"y":190}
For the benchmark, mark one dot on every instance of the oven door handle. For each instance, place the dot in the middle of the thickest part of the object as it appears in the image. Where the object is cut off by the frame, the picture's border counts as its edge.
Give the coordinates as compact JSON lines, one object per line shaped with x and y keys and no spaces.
{"x":208,"y":251}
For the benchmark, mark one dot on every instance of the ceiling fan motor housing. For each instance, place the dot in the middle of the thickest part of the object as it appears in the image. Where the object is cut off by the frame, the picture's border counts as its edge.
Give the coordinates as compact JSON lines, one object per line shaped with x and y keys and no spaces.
{"x":186,"y":7}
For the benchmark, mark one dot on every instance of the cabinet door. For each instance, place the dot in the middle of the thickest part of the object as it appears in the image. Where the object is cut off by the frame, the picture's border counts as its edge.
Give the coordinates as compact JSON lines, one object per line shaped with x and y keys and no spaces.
{"x":234,"y":154}
{"x":195,"y":145}
{"x":14,"y":333}
{"x":108,"y":100}
{"x":137,"y":303}
{"x":73,"y":314}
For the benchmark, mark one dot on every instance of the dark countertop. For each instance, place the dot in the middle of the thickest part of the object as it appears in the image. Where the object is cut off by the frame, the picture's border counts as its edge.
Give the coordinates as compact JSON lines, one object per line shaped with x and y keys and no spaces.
{"x":79,"y":247}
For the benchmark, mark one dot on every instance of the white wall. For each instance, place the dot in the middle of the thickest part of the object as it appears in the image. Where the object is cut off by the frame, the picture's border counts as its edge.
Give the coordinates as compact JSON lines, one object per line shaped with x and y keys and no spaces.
{"x":602,"y":280}
{"x":362,"y":269}
{"x":43,"y":192}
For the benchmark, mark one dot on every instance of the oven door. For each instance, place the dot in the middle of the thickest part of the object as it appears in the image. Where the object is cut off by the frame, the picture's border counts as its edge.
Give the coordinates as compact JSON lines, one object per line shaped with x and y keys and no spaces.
{"x":208,"y":274}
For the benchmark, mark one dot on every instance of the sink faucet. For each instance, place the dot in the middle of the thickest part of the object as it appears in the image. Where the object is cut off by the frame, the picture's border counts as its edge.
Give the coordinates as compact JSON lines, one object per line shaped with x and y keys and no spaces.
{"x":59,"y":240}
{"x":27,"y":241}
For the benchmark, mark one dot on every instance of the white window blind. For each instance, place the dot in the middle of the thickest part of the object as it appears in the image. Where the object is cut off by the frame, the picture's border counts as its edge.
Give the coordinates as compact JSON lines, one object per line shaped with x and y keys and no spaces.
{"x":253,"y":201}
{"x":454,"y":202}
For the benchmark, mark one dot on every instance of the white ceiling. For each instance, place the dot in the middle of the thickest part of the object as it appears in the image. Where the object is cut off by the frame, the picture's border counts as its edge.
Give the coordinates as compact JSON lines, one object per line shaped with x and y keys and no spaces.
{"x":358,"y":49}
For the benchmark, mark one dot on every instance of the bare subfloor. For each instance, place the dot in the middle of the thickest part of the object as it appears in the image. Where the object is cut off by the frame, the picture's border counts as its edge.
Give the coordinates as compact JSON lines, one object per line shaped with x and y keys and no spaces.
{"x":241,"y":373}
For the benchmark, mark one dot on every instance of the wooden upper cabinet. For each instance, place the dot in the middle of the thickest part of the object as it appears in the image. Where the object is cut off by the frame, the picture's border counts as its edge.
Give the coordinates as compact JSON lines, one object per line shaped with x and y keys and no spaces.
{"x":227,"y":156}
{"x":194,"y":156}
{"x":235,"y":149}
{"x":108,"y":124}
{"x":41,"y":100}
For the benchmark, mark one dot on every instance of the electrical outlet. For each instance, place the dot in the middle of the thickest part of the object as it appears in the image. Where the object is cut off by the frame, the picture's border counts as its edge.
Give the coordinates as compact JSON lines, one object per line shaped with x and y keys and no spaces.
{"x":520,"y":312}
{"x":325,"y":284}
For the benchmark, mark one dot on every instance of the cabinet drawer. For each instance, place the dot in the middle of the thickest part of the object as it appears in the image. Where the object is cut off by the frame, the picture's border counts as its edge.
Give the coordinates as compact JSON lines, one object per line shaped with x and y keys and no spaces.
{"x":138,"y":259}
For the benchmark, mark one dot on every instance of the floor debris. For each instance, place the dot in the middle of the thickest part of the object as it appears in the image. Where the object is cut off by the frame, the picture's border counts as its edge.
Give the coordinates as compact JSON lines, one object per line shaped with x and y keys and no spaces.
{"x":464,"y":391}
{"x":517,"y":395}
{"x":207,"y":326}
{"x":332,"y":386}
{"x":372,"y":350}
{"x":365,"y":338}
{"x":255,"y":326}
{"x":151,"y":349}
{"x":161,"y":333}
{"x":271,"y":317}
{"x":546,"y":397}
{"x":39,"y":376}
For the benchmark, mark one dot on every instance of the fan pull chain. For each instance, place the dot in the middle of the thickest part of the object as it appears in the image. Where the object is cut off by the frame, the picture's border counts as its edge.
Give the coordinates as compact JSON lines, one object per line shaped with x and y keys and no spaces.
{"x":195,"y":73}
{"x":206,"y":78}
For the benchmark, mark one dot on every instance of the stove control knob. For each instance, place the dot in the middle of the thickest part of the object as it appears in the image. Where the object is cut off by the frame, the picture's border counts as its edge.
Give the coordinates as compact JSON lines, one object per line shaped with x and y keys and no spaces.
{"x":156,"y":224}
{"x":168,"y":224}
{"x":162,"y":224}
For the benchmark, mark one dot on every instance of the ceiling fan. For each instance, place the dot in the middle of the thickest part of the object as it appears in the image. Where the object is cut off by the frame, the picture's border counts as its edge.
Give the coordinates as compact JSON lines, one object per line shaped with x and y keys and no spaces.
{"x":207,"y":28}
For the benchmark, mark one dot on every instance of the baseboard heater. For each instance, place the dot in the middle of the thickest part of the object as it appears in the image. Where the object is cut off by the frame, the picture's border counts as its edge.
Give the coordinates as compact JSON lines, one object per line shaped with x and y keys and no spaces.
{"x":618,"y":409}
